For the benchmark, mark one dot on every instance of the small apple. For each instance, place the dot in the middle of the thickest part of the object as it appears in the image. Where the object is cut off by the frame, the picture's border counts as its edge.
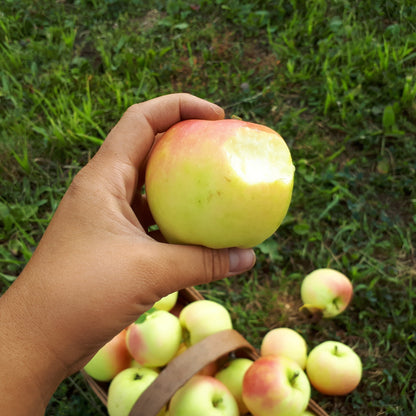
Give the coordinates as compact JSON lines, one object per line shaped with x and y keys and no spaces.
{"x":167,"y":302}
{"x":327,"y":291}
{"x":286,"y":342}
{"x":202,"y":318}
{"x":207,"y":180}
{"x":126,"y":388}
{"x":276,"y":385}
{"x":203,"y":395}
{"x":112,"y":358}
{"x":232,"y":377}
{"x":334,"y":368}
{"x":154,"y":339}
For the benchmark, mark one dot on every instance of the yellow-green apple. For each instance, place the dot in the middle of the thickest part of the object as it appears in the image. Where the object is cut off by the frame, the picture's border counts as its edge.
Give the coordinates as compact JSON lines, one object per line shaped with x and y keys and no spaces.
{"x":203,"y":395}
{"x":154,"y":338}
{"x":307,"y":413}
{"x":232,"y":376}
{"x":334,"y":368}
{"x":206,"y":181}
{"x":327,"y":291}
{"x":276,"y":385}
{"x":202,"y":318}
{"x":112,"y":358}
{"x":167,"y":302}
{"x":286,"y":342}
{"x":126,"y":387}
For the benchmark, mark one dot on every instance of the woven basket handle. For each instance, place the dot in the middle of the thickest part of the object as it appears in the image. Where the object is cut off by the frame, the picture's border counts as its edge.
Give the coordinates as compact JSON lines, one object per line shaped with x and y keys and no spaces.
{"x":184,"y":366}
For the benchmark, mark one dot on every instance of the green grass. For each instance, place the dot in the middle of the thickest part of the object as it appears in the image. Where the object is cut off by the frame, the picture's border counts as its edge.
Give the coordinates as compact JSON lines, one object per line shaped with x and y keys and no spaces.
{"x":336,"y":78}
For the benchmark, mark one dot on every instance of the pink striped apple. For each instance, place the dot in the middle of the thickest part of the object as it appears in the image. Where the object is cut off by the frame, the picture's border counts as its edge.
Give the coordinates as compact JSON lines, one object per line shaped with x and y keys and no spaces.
{"x":327,"y":291}
{"x":154,"y":339}
{"x":207,"y":181}
{"x":286,"y":342}
{"x":276,"y":385}
{"x":112,"y":358}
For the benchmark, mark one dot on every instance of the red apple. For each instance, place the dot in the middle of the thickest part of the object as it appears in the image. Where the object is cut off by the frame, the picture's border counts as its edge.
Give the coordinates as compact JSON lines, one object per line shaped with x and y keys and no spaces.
{"x":334,"y":368}
{"x":327,"y":291}
{"x":112,"y":358}
{"x":224,"y":183}
{"x":276,"y":385}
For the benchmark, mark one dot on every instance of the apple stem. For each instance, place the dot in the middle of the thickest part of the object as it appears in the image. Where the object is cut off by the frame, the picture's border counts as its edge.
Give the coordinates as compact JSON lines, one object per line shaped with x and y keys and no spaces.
{"x":294,"y":377}
{"x":216,"y":401}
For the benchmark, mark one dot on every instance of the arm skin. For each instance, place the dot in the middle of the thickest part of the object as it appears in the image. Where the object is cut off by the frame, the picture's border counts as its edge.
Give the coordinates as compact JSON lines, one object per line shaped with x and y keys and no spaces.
{"x":95,"y":269}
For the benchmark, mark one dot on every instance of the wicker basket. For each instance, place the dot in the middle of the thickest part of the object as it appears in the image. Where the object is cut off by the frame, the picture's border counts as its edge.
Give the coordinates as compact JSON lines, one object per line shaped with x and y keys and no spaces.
{"x":216,"y":347}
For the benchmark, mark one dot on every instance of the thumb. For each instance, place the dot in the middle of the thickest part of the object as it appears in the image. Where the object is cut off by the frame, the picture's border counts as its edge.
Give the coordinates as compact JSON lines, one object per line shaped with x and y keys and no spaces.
{"x":180,"y":266}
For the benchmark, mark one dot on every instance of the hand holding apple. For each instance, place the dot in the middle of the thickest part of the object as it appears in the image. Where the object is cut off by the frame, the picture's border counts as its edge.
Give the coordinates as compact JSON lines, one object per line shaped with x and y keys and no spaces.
{"x":207,"y":181}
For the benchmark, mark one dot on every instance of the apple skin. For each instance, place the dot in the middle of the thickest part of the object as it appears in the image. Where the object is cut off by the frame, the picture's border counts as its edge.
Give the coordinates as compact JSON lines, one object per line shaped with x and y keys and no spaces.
{"x":203,"y":395}
{"x":202,"y":318}
{"x":112,"y":358}
{"x":167,"y":302}
{"x":334,"y":368}
{"x":232,"y":377}
{"x":276,"y":385}
{"x":286,"y":342}
{"x":326,"y":290}
{"x":207,"y":180}
{"x":126,"y":388}
{"x":154,"y":339}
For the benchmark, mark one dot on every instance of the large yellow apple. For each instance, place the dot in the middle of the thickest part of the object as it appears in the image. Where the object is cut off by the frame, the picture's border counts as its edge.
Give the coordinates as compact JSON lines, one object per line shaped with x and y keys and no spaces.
{"x":223,"y":183}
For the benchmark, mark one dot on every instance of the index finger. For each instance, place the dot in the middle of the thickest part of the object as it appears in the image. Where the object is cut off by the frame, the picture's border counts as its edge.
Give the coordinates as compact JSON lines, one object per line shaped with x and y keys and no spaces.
{"x":132,"y":138}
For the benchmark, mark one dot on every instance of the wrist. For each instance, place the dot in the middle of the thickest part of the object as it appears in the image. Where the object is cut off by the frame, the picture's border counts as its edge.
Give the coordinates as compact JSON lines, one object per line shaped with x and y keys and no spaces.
{"x":29,"y":371}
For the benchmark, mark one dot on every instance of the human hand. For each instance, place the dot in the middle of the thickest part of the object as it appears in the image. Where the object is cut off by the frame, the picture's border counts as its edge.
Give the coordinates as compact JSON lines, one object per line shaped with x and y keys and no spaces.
{"x":97,"y":269}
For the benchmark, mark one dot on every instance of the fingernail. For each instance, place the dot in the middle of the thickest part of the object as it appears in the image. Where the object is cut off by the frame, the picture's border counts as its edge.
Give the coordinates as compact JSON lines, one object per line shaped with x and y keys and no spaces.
{"x":240,"y":260}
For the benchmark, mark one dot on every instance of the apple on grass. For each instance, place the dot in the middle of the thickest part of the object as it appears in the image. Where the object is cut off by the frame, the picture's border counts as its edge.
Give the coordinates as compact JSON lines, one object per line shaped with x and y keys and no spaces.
{"x":202,"y":318}
{"x":154,"y":339}
{"x":286,"y":342}
{"x":203,"y":396}
{"x":326,"y":291}
{"x":232,"y":376}
{"x":334,"y":368}
{"x":112,"y":358}
{"x":126,"y":388}
{"x":206,"y":180}
{"x":276,"y":385}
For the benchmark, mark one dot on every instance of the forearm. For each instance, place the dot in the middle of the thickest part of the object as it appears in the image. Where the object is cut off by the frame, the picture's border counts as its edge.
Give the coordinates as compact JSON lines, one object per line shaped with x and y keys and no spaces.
{"x":29,"y":373}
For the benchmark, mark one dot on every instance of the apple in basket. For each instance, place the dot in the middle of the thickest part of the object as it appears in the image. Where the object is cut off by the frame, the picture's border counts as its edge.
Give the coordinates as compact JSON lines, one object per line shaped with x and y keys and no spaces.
{"x":112,"y":358}
{"x":154,"y":339}
{"x":276,"y":385}
{"x":202,"y":318}
{"x":203,"y":395}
